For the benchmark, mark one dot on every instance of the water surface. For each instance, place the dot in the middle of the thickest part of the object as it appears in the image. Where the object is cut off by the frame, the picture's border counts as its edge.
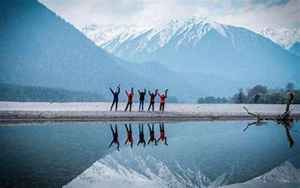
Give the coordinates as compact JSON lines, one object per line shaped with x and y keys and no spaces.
{"x":198,"y":154}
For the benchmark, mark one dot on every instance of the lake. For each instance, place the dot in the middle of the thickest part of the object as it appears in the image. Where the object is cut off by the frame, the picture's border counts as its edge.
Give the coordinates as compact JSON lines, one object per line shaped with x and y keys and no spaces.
{"x":197,"y":154}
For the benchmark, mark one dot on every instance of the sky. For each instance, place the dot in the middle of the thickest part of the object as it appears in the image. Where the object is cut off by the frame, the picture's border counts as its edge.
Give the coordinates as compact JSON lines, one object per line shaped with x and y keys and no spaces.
{"x":252,"y":14}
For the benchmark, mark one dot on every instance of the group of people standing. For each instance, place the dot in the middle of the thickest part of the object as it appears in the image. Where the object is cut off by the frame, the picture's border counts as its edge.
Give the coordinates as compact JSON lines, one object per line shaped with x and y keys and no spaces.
{"x":142,"y":96}
{"x":129,"y":135}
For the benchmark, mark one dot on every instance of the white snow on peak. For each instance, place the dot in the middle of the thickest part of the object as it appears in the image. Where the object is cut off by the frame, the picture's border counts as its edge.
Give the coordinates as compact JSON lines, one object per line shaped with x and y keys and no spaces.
{"x":102,"y":34}
{"x":183,"y":32}
{"x":285,"y":37}
{"x":139,"y":170}
{"x":281,"y":176}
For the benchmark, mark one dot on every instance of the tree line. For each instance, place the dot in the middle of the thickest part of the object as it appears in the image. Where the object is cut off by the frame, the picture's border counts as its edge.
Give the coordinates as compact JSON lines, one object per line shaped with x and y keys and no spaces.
{"x":259,"y":94}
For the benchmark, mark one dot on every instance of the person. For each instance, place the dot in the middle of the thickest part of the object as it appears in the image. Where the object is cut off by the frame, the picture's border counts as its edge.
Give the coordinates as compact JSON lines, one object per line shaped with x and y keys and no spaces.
{"x":152,"y":99}
{"x":141,"y":135}
{"x":142,"y":99}
{"x":291,"y":97}
{"x":115,"y":139}
{"x":163,"y":100}
{"x":116,"y":98}
{"x":129,"y":139}
{"x":162,"y":137}
{"x":130,"y":99}
{"x":151,"y":134}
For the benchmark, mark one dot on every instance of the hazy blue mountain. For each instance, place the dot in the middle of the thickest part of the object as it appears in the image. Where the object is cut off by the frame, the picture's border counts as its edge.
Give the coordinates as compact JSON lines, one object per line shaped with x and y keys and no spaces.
{"x":295,"y":48}
{"x":164,"y":78}
{"x":211,"y":54}
{"x":10,"y":92}
{"x":38,"y":48}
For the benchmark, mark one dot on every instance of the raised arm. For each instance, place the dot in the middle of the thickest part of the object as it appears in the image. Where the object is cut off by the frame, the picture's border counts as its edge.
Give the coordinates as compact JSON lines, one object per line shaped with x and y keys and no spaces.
{"x":111,"y":128}
{"x":111,"y":91}
{"x":166,"y":93}
{"x":118,"y":89}
{"x":116,"y":128}
{"x":149,"y":92}
{"x":126,"y":92}
{"x":156,"y":91}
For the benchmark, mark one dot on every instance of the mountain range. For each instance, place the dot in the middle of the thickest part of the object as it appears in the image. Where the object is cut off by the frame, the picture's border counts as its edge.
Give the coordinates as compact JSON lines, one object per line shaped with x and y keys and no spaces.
{"x":100,"y":34}
{"x":39,"y":48}
{"x":210,"y":54}
{"x":192,"y":57}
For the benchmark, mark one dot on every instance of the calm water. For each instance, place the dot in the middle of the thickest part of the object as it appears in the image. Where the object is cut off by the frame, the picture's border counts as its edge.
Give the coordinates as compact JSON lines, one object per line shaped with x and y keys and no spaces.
{"x":197,"y":154}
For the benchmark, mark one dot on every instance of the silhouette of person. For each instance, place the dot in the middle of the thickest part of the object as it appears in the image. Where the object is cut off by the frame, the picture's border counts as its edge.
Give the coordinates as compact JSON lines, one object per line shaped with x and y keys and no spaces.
{"x":162,"y":137}
{"x":115,"y":139}
{"x":287,"y":126}
{"x":291,"y":97}
{"x":129,"y":139}
{"x":163,"y":100}
{"x":152,"y":99}
{"x":141,"y":135}
{"x":130,"y":99}
{"x":142,"y":99}
{"x":151,"y":134}
{"x":115,"y":98}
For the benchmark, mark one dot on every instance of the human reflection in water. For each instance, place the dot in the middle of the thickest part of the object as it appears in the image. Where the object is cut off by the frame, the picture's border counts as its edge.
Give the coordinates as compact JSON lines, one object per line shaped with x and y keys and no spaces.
{"x":287,"y":126}
{"x":141,"y":135}
{"x":129,"y":139}
{"x":115,"y":135}
{"x":162,"y":137}
{"x":151,"y":134}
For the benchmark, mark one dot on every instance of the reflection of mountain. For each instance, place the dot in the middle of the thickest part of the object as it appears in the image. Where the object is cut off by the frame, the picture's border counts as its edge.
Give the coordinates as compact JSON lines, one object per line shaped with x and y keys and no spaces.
{"x":285,"y":175}
{"x":140,"y":171}
{"x":197,"y":156}
{"x":147,"y":171}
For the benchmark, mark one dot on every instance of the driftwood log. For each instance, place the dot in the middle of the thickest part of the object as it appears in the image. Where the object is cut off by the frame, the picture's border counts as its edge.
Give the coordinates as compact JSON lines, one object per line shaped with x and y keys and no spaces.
{"x":285,"y":119}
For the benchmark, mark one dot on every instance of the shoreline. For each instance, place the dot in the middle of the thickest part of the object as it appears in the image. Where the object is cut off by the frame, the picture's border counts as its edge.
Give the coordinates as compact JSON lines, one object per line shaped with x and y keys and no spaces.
{"x":15,"y":112}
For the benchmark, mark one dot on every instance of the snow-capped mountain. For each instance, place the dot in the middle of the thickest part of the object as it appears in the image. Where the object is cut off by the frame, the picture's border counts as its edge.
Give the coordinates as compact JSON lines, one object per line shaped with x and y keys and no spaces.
{"x":103,"y":34}
{"x":283,"y":36}
{"x":202,"y":47}
{"x":187,"y":32}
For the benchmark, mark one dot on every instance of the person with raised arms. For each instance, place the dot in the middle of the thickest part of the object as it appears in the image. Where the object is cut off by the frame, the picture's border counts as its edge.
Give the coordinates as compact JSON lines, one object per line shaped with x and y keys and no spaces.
{"x":130,"y":99}
{"x":115,"y":97}
{"x":152,"y":99}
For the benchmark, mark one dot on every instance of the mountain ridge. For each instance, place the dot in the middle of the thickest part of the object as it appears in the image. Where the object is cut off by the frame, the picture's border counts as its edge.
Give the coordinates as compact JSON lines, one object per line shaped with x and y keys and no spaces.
{"x":210,"y":48}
